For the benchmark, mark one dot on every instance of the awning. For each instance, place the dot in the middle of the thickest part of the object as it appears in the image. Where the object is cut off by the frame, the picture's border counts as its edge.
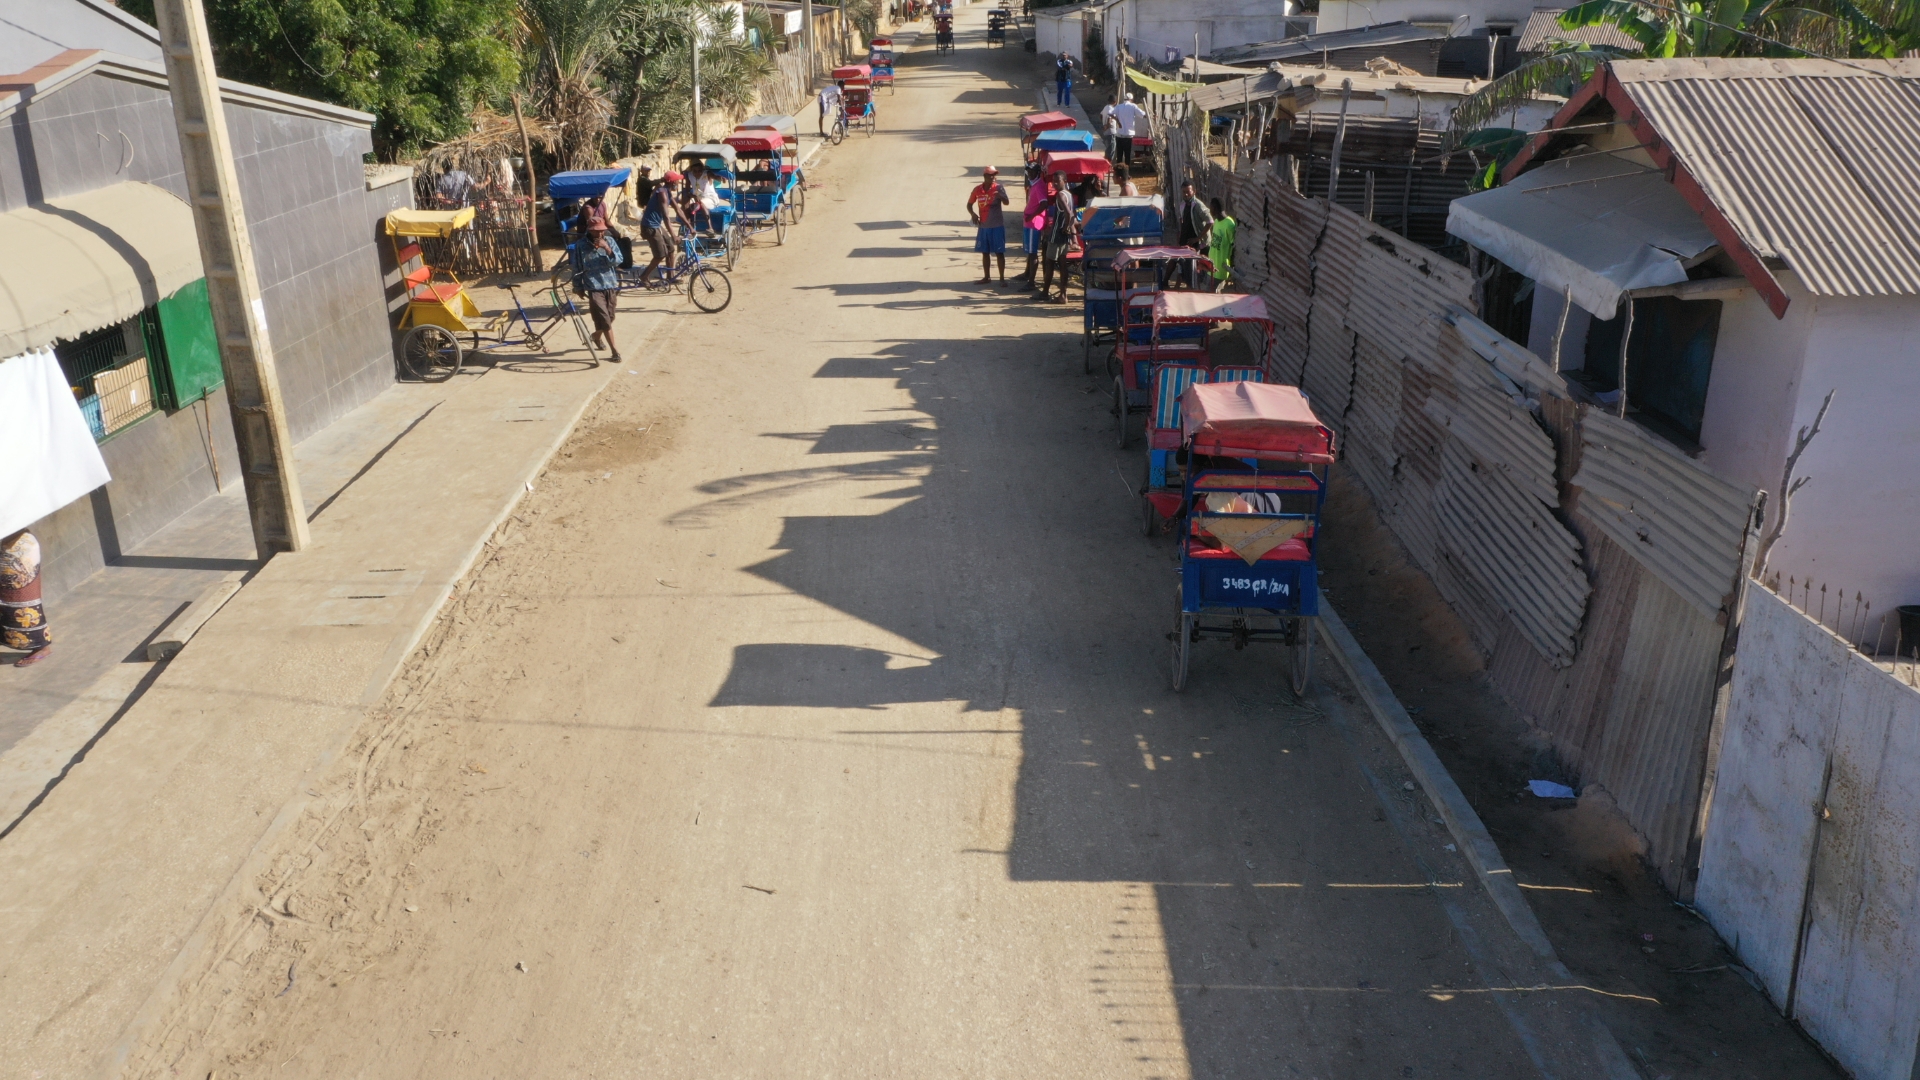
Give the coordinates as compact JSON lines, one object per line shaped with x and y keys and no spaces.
{"x":1591,"y":227}
{"x":79,"y":263}
{"x":1157,"y":86}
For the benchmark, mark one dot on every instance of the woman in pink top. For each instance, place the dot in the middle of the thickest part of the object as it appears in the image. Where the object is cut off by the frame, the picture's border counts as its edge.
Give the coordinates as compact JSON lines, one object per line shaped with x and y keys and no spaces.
{"x":1034,"y":218}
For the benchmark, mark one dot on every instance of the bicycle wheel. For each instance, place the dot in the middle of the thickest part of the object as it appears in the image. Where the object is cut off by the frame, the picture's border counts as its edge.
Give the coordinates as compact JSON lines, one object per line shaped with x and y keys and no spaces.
{"x":799,"y":202}
{"x":838,"y":133}
{"x":710,"y":289}
{"x":779,"y":230}
{"x":430,"y":353}
{"x":733,"y":240}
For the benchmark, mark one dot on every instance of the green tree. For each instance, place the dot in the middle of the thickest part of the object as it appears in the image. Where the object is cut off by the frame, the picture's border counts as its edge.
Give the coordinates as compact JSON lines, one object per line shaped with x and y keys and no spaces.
{"x":419,"y":66}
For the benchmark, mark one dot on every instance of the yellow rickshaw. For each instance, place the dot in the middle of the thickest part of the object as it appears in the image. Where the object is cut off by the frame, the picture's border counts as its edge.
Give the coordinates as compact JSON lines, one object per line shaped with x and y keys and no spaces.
{"x":440,"y":310}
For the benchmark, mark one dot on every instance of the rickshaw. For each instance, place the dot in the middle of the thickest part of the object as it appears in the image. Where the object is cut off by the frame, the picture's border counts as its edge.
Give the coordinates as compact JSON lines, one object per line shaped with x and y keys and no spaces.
{"x":1178,"y":352}
{"x":1139,"y":272}
{"x":763,"y":183}
{"x":880,"y":59}
{"x":794,"y":183}
{"x":943,"y":33}
{"x":569,"y":189}
{"x":1255,"y":485}
{"x":856,"y":101}
{"x":1062,"y":141}
{"x":1077,"y":164}
{"x":997,"y":27}
{"x":721,"y":239}
{"x":1110,"y":225}
{"x":1033,"y":125}
{"x":438,"y":311}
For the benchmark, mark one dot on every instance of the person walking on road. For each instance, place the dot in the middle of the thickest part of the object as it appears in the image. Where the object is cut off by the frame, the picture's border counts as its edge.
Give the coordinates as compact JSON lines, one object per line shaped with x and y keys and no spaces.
{"x":1220,"y":246}
{"x":983,"y":208}
{"x":1063,"y":80}
{"x":1196,"y":224}
{"x":600,"y":277}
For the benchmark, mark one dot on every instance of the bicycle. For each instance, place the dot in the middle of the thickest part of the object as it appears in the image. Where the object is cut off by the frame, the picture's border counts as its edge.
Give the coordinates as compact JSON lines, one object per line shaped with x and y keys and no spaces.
{"x":433,"y":353}
{"x":838,"y":133}
{"x":707,"y":284}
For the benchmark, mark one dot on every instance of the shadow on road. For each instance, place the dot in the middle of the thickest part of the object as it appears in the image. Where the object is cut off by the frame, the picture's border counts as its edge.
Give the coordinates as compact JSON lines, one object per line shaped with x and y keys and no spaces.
{"x":1298,"y":936}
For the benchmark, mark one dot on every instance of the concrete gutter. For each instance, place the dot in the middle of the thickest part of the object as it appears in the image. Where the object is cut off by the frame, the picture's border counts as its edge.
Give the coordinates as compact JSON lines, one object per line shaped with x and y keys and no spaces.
{"x":1433,"y":778}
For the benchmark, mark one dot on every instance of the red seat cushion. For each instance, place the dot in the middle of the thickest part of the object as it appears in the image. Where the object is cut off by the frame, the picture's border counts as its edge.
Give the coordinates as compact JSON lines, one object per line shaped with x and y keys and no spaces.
{"x":445,"y":292}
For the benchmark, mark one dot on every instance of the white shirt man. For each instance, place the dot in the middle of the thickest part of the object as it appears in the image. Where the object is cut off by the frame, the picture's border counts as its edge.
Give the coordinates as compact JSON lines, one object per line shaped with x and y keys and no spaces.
{"x":1128,"y":116}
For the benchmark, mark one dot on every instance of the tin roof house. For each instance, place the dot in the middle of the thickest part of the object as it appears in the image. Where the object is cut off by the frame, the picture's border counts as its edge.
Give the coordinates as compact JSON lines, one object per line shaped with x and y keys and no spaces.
{"x":99,"y":263}
{"x":1712,"y":246}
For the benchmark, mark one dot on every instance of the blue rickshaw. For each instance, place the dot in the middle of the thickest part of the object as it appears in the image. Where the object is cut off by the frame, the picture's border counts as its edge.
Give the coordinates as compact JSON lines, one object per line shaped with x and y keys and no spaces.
{"x":768,"y":190}
{"x":1256,"y":480}
{"x":1109,"y":225}
{"x":1062,"y":141}
{"x":719,"y":237}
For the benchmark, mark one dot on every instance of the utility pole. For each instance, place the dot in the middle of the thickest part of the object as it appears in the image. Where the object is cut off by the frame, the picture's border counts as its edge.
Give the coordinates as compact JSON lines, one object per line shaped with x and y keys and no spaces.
{"x":806,"y":14}
{"x":693,"y":25}
{"x":226,"y":252}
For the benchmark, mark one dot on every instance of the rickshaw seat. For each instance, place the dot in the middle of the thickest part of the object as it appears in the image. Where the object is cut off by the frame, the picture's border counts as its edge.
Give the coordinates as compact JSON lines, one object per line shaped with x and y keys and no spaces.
{"x":1169,"y":382}
{"x":1294,"y":550}
{"x":445,"y":292}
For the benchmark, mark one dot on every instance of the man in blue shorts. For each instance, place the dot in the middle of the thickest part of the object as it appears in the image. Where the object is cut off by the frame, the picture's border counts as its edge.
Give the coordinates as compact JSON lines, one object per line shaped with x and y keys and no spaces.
{"x":983,"y":208}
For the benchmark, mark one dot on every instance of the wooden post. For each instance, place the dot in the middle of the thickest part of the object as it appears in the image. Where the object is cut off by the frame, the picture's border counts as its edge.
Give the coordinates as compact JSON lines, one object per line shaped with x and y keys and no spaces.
{"x":278,"y":513}
{"x":533,"y":201}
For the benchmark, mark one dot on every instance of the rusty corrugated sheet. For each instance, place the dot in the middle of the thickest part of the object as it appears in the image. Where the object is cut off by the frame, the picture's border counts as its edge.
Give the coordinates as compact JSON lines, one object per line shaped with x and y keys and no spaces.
{"x":1811,"y":161}
{"x":1503,"y":435}
{"x":1679,"y":520}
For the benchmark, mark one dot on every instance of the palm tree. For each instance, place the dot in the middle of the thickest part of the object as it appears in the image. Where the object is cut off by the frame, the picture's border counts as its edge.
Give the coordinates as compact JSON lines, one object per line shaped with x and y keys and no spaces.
{"x":565,"y":42}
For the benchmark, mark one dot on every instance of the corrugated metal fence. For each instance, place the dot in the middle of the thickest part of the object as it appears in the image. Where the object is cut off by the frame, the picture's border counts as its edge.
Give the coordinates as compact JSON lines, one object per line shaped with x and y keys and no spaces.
{"x":1595,"y":566}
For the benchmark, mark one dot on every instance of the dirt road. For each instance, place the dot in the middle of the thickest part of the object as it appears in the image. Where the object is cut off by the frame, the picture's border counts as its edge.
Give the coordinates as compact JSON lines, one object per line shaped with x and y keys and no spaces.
{"x":810,"y":720}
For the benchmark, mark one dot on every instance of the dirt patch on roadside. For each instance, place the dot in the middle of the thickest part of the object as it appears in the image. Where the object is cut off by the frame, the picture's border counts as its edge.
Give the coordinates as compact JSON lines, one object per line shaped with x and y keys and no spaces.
{"x":612,"y":444}
{"x":1612,"y":923}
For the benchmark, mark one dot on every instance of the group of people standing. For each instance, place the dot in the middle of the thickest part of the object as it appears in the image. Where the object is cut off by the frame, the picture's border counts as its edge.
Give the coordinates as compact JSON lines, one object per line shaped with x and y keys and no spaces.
{"x":1049,"y":223}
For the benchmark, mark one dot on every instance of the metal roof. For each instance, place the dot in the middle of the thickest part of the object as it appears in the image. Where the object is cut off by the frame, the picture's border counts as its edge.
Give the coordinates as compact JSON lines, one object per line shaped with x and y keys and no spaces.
{"x":1281,"y":81}
{"x":1364,"y":37}
{"x":1811,"y":161}
{"x":1543,"y":28}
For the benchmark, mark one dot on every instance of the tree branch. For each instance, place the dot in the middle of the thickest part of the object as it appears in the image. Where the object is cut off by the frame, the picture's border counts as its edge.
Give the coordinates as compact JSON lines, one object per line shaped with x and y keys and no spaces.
{"x":1789,"y":485}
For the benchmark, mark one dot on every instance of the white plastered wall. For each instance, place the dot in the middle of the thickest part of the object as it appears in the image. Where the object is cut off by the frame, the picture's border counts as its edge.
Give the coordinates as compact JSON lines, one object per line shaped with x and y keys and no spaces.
{"x":1351,"y":14}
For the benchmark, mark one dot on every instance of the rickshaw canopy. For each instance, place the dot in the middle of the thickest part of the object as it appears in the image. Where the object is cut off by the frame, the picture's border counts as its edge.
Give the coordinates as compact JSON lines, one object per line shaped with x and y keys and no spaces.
{"x":756,"y":142}
{"x":1046,"y":121}
{"x":1203,"y":307}
{"x":1253,"y":419}
{"x":1122,"y":217}
{"x":883,"y":43}
{"x":1063,"y":140}
{"x":585,"y":183}
{"x":1075,"y":164}
{"x":1129,"y":257}
{"x":783,"y":124}
{"x":428,"y":222}
{"x":853,"y":71}
{"x":706,"y":152}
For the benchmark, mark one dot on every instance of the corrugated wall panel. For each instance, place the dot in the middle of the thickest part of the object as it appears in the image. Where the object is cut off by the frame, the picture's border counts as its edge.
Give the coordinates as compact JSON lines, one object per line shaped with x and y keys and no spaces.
{"x":1682,"y":522}
{"x":1656,"y":728}
{"x":1504,"y":436}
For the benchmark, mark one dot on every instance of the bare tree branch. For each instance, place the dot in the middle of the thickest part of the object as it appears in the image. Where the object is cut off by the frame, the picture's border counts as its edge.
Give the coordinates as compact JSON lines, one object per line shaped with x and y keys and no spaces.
{"x":1788,"y":485}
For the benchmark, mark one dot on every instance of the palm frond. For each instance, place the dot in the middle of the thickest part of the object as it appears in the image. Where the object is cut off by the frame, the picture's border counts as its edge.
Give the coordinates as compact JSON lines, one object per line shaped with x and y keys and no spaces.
{"x":1558,"y":74}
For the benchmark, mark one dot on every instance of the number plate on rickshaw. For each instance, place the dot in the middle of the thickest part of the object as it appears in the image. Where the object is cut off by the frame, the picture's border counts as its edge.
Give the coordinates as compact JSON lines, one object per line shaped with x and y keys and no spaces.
{"x":1270,"y":584}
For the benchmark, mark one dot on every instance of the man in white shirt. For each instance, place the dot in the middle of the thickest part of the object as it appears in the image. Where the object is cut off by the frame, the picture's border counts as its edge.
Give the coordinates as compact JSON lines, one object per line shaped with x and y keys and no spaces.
{"x":1130,"y":118}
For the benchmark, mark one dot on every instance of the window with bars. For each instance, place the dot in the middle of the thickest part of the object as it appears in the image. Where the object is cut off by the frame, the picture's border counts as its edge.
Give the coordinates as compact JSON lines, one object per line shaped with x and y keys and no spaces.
{"x":166,"y":357}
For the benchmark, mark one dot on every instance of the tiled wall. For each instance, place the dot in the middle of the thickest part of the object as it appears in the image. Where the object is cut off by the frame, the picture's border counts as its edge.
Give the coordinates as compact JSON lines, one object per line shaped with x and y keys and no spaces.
{"x":315,"y":230}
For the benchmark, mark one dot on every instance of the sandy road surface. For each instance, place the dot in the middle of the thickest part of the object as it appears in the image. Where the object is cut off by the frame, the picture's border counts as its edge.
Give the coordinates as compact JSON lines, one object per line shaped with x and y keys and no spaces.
{"x":810,"y":720}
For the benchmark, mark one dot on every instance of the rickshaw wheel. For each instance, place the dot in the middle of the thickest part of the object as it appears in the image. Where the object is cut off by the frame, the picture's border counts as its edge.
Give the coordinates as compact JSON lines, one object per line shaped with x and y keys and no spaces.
{"x":430,"y":353}
{"x":837,"y":132}
{"x":799,"y":202}
{"x":1181,"y":639}
{"x":709,"y":289}
{"x":1300,"y":656}
{"x":731,"y":241}
{"x":1120,"y":413}
{"x":779,"y":230}
{"x":1149,"y":517}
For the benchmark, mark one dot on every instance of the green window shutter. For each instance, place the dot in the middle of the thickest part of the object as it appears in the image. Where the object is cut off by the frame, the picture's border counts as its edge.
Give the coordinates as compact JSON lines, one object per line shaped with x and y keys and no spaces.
{"x":192,"y":350}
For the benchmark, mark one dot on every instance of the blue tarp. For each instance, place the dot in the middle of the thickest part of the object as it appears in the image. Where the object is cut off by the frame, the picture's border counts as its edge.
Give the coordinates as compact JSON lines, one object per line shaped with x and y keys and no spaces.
{"x":585,"y":182}
{"x":1063,"y":141}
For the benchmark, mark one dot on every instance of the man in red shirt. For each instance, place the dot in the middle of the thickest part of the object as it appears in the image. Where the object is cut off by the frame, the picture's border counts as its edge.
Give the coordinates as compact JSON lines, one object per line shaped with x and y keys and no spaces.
{"x":983,"y":209}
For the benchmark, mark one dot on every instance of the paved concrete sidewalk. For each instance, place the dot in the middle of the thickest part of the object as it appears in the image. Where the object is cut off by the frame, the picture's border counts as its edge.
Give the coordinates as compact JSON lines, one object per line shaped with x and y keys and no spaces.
{"x":109,"y":875}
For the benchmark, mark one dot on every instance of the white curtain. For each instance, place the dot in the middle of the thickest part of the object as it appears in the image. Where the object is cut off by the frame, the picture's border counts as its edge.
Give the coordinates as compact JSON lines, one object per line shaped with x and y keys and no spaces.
{"x":47,"y":454}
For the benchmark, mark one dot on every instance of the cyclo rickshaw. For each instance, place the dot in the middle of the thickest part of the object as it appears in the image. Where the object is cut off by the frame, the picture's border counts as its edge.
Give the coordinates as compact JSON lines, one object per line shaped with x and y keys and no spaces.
{"x":1256,"y":480}
{"x":880,"y":59}
{"x":1191,"y":338}
{"x":1110,"y":225}
{"x":1077,"y":166}
{"x":720,"y":240}
{"x":1033,"y":124}
{"x":1137,"y":273}
{"x":793,"y":182}
{"x":763,"y":182}
{"x":856,"y":100}
{"x":943,"y":33}
{"x":997,"y":27}
{"x":1063,"y":141}
{"x":438,"y":311}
